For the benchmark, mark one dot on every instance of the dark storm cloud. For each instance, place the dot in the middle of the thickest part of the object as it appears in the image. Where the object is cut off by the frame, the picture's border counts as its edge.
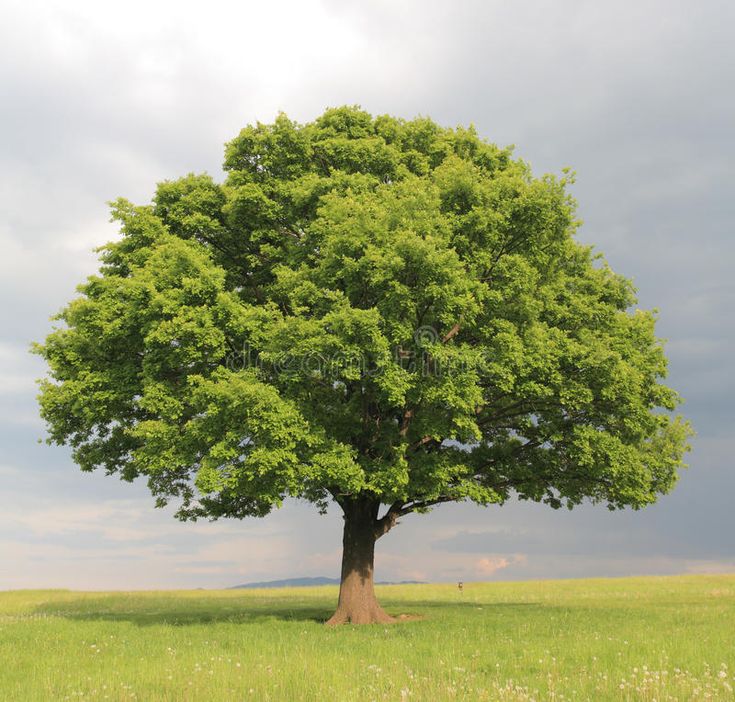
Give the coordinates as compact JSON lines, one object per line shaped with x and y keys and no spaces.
{"x":633,"y":96}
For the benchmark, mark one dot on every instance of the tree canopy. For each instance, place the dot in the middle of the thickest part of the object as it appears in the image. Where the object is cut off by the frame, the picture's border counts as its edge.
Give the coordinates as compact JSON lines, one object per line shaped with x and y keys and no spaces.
{"x":367,"y":310}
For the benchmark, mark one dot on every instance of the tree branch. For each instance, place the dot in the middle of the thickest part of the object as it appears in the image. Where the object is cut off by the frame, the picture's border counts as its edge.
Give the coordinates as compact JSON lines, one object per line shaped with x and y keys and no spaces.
{"x":452,"y":332}
{"x":388,"y":520}
{"x":406,"y":422}
{"x":424,"y":440}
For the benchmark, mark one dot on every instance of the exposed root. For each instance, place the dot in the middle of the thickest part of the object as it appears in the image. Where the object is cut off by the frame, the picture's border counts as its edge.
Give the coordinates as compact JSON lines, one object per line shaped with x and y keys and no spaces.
{"x":368,"y":615}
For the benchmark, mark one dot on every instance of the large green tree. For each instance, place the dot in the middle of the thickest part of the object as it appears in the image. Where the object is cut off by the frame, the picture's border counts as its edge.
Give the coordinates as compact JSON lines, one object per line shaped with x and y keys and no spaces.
{"x":381,"y":313}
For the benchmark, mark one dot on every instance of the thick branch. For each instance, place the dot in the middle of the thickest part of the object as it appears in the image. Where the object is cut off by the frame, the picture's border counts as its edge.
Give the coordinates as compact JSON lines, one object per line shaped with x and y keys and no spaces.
{"x":406,"y":422}
{"x":423,"y":441}
{"x":409,"y":507}
{"x":452,"y":332}
{"x":388,"y":520}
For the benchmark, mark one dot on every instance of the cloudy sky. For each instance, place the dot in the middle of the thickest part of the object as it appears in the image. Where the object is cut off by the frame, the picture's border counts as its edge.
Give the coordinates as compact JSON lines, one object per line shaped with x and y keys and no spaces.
{"x":96,"y":103}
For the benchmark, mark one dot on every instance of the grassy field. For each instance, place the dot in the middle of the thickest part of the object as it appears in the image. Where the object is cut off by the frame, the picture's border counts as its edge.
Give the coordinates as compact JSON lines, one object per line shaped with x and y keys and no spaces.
{"x":623,"y":639}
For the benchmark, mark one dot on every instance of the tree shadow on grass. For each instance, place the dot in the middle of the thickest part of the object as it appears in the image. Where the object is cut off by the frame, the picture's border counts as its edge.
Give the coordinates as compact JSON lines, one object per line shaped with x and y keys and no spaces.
{"x":183,"y":612}
{"x":174,"y":610}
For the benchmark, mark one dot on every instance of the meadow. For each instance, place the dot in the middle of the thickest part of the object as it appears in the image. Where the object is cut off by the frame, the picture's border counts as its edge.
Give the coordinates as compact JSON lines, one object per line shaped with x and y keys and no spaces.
{"x":665,"y":638}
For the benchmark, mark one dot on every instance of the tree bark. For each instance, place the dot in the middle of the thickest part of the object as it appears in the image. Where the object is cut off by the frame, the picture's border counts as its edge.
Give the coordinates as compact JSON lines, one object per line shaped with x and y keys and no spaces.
{"x":357,"y":602}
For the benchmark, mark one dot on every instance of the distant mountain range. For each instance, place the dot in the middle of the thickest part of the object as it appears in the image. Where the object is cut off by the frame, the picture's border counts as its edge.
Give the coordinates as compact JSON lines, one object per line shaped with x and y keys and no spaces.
{"x":310,"y":582}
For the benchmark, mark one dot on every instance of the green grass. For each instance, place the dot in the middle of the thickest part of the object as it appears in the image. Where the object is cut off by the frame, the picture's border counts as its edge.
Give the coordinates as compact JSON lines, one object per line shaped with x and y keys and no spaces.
{"x":623,"y":639}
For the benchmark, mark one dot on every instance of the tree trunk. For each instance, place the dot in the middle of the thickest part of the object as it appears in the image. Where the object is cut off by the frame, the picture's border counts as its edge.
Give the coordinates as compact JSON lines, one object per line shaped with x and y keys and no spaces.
{"x":357,"y":603}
